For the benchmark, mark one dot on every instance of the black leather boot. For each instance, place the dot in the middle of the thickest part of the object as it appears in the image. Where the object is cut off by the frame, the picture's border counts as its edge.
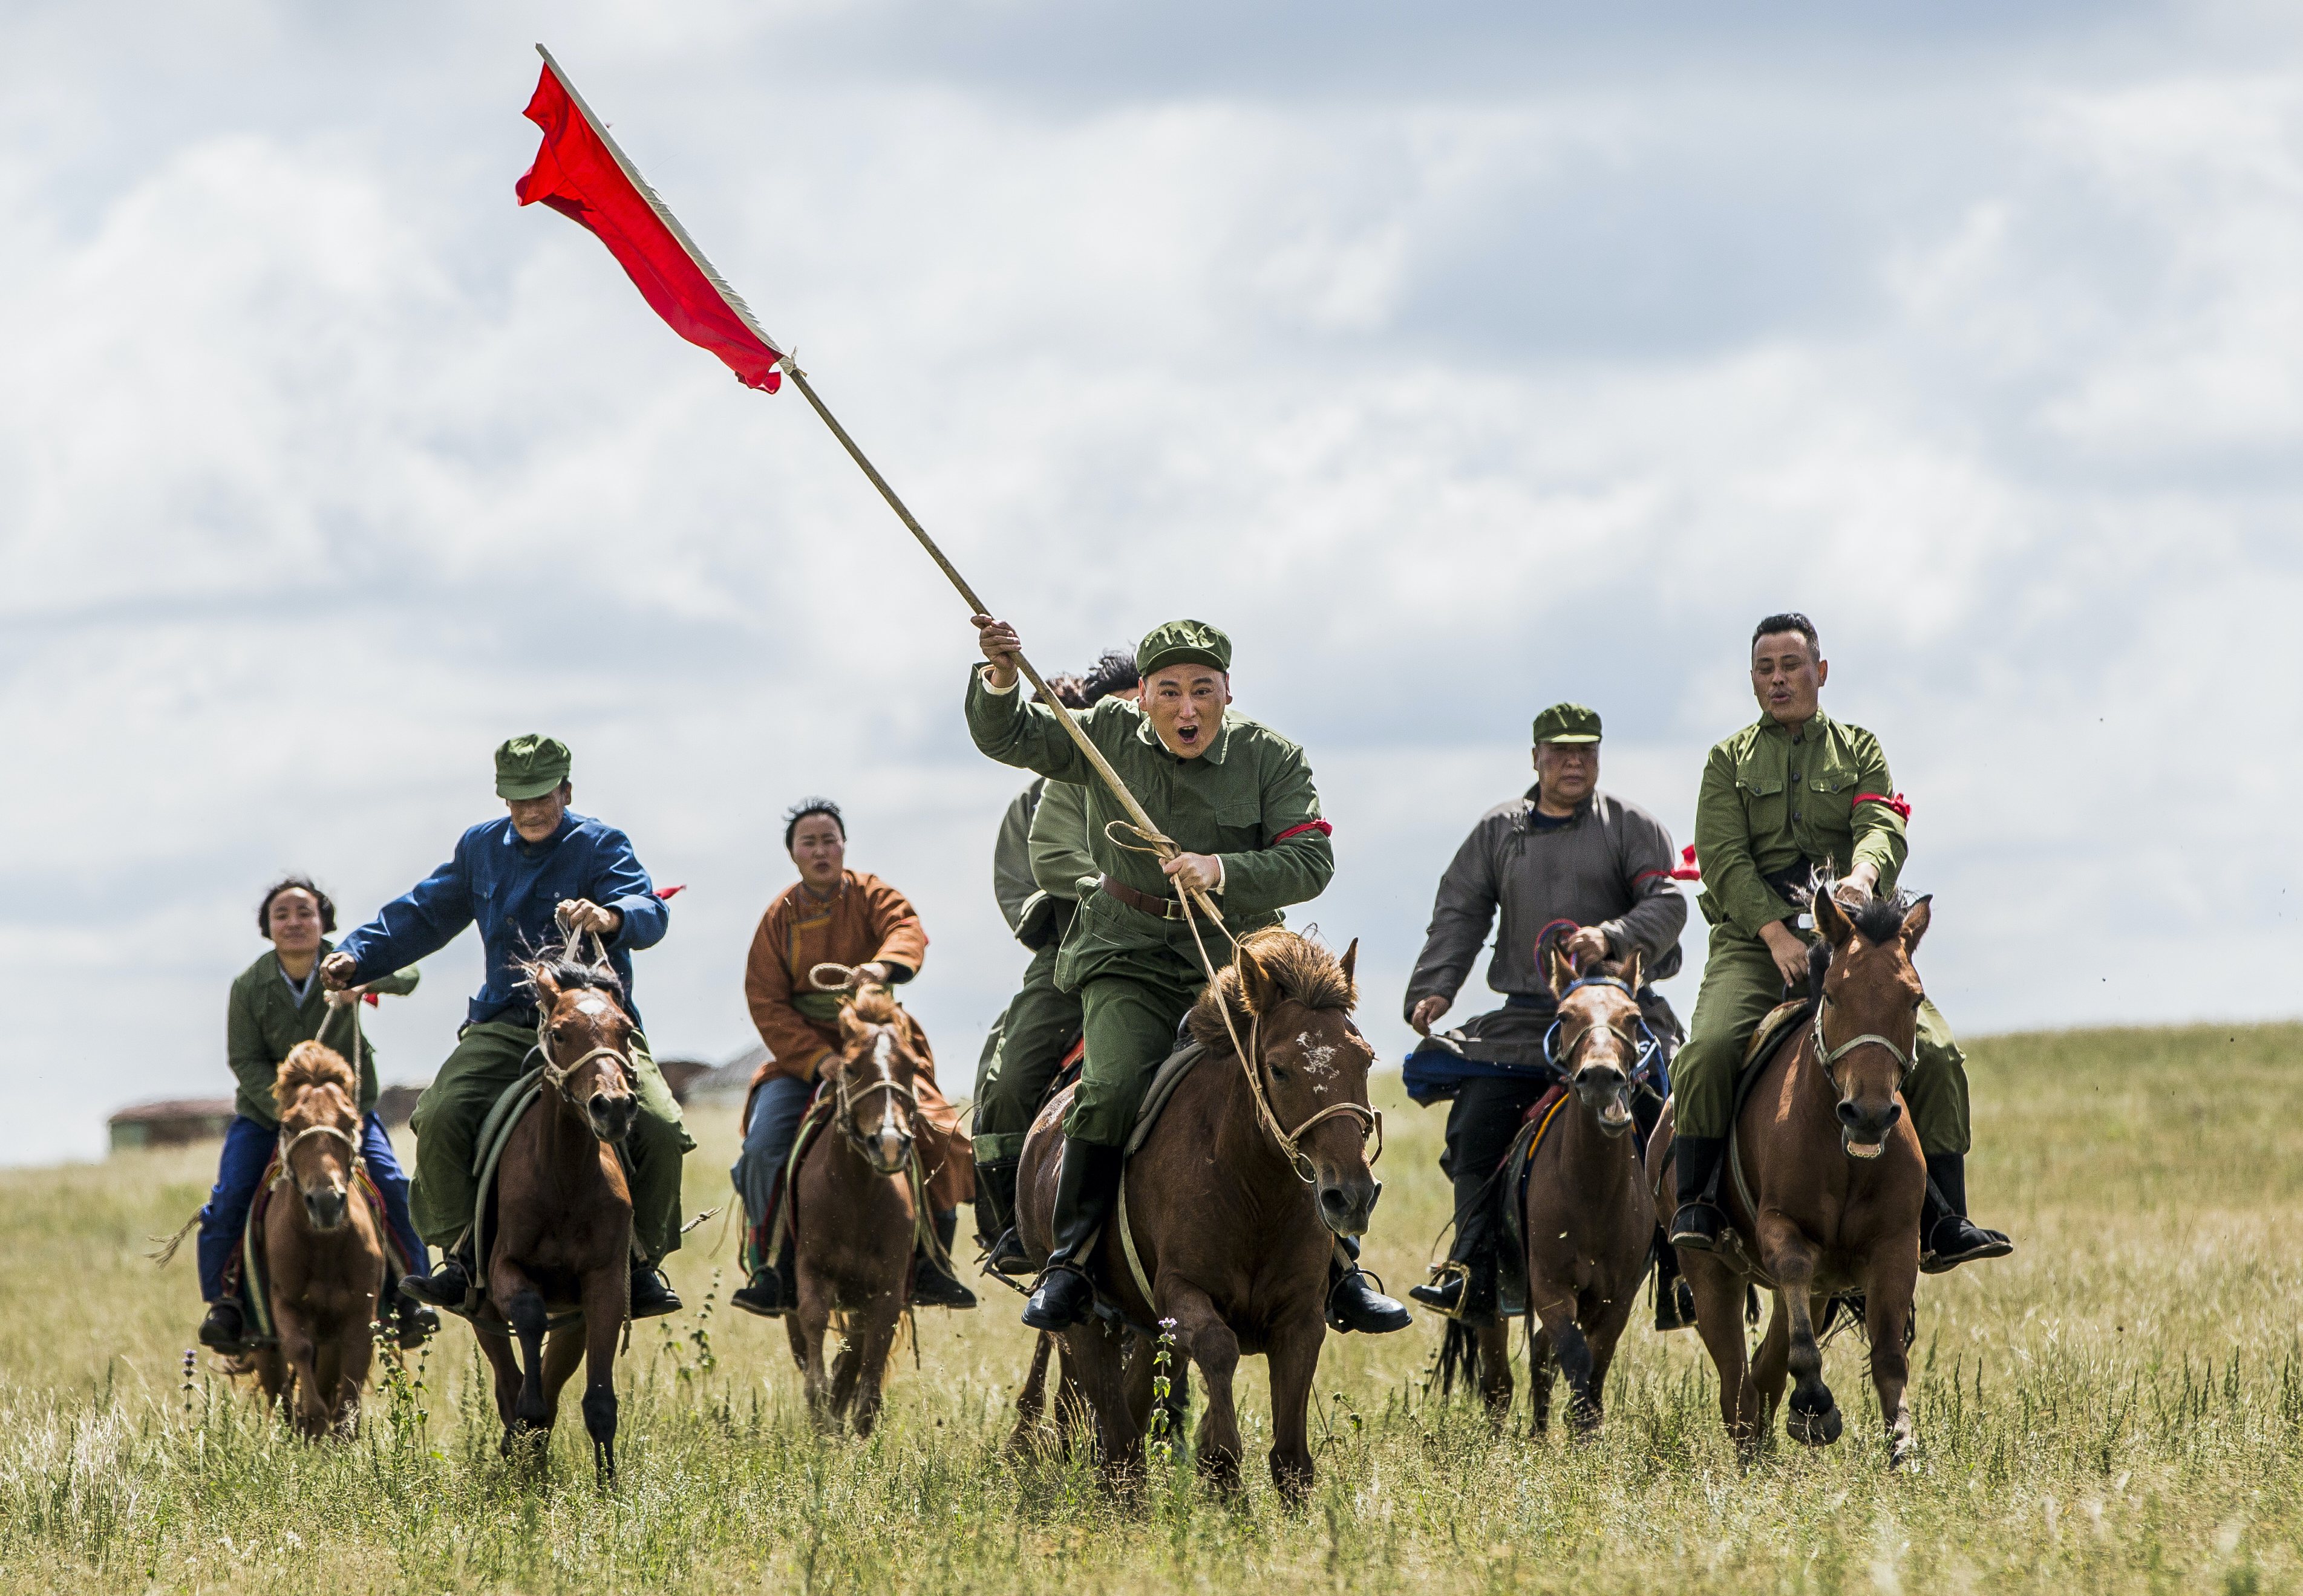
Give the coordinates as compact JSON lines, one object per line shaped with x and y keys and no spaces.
{"x":1699,"y":1221}
{"x":995,"y":1218}
{"x":1946,"y":1238}
{"x":652,"y":1294}
{"x":931,"y":1287}
{"x":1467,"y":1292}
{"x":221,"y":1330}
{"x":1354,"y":1303}
{"x":1674,"y":1298}
{"x":773,"y":1289}
{"x":418,"y":1324}
{"x":446,"y":1286}
{"x":1086,"y":1189}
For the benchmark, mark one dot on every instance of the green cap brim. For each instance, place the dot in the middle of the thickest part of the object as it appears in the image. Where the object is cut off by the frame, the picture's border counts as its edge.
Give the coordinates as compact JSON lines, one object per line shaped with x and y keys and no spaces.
{"x":1183,"y":657}
{"x":533,"y":787}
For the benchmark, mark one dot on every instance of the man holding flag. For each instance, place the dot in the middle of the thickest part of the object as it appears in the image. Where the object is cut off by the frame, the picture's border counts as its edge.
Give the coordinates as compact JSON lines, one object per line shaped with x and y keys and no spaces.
{"x":1238,"y":800}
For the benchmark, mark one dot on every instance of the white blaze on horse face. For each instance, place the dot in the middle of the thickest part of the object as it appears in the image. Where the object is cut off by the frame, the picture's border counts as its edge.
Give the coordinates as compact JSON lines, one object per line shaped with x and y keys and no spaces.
{"x":892,"y":1134}
{"x":1319,"y":1062}
{"x":592,"y":1006}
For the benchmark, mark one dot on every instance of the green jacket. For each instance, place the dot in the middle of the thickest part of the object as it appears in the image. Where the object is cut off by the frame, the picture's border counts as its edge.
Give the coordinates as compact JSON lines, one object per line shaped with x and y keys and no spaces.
{"x":265,"y":1021}
{"x":1248,"y":800}
{"x":1770,"y":806}
{"x":1012,"y":886}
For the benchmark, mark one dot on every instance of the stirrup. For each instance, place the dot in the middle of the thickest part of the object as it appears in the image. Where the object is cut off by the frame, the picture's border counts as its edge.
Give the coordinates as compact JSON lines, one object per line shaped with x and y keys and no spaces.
{"x":1436,"y":1293}
{"x":1047,"y":1284}
{"x":1982,"y":1243}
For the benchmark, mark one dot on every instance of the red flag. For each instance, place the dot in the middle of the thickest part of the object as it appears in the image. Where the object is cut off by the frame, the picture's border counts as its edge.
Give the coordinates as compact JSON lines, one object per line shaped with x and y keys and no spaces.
{"x":580,"y":173}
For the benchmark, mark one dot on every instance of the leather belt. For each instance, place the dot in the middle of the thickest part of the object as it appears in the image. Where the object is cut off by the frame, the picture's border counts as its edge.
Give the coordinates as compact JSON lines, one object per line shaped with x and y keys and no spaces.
{"x":1158,"y":908}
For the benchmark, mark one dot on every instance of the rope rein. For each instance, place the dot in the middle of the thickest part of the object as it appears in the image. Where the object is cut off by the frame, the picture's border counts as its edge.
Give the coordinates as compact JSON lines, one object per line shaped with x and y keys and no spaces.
{"x":844,"y":1099}
{"x":1250,"y":1057}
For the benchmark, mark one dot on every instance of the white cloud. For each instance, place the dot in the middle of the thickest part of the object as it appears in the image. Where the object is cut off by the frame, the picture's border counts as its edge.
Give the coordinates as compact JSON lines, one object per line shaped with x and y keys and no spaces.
{"x":326,"y":468}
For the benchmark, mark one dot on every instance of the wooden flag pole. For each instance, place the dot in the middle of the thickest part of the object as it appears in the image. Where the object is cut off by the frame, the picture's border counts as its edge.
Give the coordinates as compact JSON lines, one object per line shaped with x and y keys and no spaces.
{"x":1165,"y":847}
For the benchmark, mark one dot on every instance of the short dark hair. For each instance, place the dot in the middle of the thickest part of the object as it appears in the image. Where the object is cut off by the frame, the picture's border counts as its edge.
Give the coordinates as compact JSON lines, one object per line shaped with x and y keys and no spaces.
{"x":1069,"y":690}
{"x":1116,"y":672}
{"x":811,"y":806}
{"x":293,"y":884}
{"x":1790,"y":620}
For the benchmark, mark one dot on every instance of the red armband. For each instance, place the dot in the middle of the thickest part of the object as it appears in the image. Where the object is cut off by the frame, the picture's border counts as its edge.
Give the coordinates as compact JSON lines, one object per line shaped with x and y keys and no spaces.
{"x":1897,"y":803}
{"x":1322,"y":826}
{"x":666,"y":894}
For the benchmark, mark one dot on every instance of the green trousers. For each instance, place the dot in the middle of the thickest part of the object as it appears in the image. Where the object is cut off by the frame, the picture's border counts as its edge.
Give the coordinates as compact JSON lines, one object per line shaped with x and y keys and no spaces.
{"x":1740,"y":983}
{"x":1026,"y":1047}
{"x":489,"y":1056}
{"x":1129,"y":1011}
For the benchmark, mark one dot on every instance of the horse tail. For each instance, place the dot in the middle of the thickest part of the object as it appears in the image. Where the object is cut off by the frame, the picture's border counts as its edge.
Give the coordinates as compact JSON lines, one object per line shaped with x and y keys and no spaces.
{"x":1459,"y":1357}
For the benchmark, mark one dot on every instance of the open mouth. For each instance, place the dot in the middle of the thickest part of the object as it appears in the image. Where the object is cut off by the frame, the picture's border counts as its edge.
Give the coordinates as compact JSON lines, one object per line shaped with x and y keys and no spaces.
{"x":1856,"y":1149}
{"x":1187,"y":734}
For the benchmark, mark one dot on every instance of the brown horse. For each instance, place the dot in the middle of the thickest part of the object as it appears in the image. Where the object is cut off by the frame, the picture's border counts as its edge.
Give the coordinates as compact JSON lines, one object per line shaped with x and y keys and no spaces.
{"x":323,"y":1253}
{"x":1232,"y":1233}
{"x":1587,"y":1218}
{"x":563,"y":1238}
{"x":1835,"y":1179}
{"x":856,"y":1218}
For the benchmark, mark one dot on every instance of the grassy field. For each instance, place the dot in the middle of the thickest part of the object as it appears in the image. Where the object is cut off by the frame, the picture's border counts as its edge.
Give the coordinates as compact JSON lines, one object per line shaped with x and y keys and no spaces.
{"x":2117,"y":1407}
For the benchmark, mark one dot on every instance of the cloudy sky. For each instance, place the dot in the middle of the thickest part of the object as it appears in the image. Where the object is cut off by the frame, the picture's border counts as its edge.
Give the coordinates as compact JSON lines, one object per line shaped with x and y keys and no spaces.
{"x":1457,"y":360}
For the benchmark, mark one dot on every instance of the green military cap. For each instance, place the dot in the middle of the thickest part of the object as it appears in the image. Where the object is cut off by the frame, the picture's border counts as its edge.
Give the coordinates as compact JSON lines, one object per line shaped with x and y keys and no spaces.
{"x":531,"y":766}
{"x":1194,"y":640}
{"x":1567,"y":722}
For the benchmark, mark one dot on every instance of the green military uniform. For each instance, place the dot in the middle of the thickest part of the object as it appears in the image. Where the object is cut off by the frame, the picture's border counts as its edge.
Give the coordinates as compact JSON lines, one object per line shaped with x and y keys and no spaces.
{"x":1772,"y":807}
{"x":489,"y":1056}
{"x":1249,"y":800}
{"x":1043,"y":1019}
{"x":265,"y":1022}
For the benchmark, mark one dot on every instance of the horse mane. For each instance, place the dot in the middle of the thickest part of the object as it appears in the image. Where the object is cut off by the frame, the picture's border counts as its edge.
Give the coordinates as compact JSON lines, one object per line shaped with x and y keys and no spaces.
{"x":309,"y":1064}
{"x":1300,"y":969}
{"x":1876,"y":920}
{"x":568,"y":973}
{"x":874,"y":1005}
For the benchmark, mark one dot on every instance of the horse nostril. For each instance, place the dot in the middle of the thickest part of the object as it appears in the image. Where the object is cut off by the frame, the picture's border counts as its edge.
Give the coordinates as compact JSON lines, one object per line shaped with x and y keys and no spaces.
{"x":1333,"y":1200}
{"x":1894,"y":1111}
{"x":1849,"y":1115}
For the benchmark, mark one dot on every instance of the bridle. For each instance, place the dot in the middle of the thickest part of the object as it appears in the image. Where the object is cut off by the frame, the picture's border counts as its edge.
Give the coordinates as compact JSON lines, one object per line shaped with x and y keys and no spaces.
{"x":1829,"y":1056}
{"x":289,"y":1144}
{"x":1370,"y":1119}
{"x":846,"y":1099}
{"x":556,"y":1075}
{"x":1646,"y":1051}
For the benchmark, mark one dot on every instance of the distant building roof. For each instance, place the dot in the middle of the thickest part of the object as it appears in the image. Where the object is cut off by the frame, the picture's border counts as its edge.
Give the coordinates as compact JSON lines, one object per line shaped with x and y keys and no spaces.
{"x":173,"y":1108}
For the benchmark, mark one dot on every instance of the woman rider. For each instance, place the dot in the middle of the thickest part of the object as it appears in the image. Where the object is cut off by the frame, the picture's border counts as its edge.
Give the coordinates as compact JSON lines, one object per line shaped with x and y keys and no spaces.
{"x":277,"y":1003}
{"x":837,"y":916}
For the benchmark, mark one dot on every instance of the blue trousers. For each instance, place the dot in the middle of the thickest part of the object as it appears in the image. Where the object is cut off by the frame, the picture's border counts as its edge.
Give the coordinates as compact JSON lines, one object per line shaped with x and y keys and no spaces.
{"x":247,"y":1149}
{"x":776,"y":1110}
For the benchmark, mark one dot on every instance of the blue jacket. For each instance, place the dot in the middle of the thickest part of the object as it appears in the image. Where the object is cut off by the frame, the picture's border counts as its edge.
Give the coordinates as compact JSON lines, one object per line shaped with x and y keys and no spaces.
{"x":511,"y":889}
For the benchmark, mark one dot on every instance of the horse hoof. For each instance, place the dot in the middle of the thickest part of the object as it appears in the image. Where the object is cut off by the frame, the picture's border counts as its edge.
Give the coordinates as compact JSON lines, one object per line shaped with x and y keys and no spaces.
{"x":1814,"y":1429}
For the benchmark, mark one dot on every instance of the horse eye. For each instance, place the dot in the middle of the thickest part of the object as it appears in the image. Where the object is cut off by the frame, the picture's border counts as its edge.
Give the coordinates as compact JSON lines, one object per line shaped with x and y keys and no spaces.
{"x":1277,"y":1073}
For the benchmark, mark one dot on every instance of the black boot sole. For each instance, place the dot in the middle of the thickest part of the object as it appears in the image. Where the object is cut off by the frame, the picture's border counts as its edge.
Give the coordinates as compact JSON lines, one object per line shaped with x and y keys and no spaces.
{"x":1935,"y":1263}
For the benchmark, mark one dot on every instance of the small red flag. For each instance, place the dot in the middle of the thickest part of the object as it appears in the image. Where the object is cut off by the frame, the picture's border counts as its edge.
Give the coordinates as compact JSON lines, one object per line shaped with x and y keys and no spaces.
{"x":580,"y":173}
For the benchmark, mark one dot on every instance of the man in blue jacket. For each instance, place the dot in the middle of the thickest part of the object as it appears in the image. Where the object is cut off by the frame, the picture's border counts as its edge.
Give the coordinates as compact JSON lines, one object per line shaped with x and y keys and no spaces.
{"x":520,"y":878}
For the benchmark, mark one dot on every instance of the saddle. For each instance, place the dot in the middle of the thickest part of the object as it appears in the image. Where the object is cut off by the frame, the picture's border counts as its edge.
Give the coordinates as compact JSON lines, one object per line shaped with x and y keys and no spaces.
{"x":1535,"y":1125}
{"x":247,"y":1271}
{"x":502,"y":1119}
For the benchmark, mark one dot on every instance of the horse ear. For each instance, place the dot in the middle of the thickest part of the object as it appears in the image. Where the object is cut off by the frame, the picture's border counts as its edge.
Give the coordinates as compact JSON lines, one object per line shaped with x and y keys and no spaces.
{"x":547,"y":987}
{"x":1634,"y":970}
{"x":1256,"y":991}
{"x":852,"y":1030}
{"x":1557,"y":971}
{"x":1915,"y":926}
{"x":1351,"y":957}
{"x":1829,"y":919}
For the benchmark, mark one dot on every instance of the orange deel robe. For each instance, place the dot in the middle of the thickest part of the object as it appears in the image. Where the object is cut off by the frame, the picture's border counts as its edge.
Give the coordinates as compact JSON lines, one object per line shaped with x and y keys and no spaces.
{"x":867,"y":920}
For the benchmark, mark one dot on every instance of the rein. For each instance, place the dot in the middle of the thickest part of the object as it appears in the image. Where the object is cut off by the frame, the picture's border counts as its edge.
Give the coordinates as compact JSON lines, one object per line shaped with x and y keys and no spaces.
{"x":555,"y":1074}
{"x":1250,"y":1057}
{"x":844,"y":1115}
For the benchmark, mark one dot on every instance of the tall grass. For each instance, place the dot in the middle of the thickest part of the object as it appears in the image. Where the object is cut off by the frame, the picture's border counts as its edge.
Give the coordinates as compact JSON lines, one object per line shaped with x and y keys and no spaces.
{"x":2117,"y":1407}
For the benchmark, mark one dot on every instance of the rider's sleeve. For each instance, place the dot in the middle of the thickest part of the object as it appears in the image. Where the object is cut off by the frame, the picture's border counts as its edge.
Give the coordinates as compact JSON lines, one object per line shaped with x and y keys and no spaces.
{"x":1462,"y":911}
{"x":1007,"y":726}
{"x":794,"y":1043}
{"x":398,"y":984}
{"x":253,"y":1067}
{"x":416,"y":924}
{"x":1061,"y":856}
{"x":899,"y":938}
{"x":618,"y":882}
{"x":1880,"y":827}
{"x":1659,"y":913}
{"x":1297,"y":860}
{"x":1731,"y":883}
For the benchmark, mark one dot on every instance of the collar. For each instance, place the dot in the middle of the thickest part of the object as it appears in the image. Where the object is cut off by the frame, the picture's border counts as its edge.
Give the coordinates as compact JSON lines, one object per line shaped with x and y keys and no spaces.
{"x":1530,"y":798}
{"x":1216,"y":750}
{"x":803,"y":895}
{"x":1818,"y":722}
